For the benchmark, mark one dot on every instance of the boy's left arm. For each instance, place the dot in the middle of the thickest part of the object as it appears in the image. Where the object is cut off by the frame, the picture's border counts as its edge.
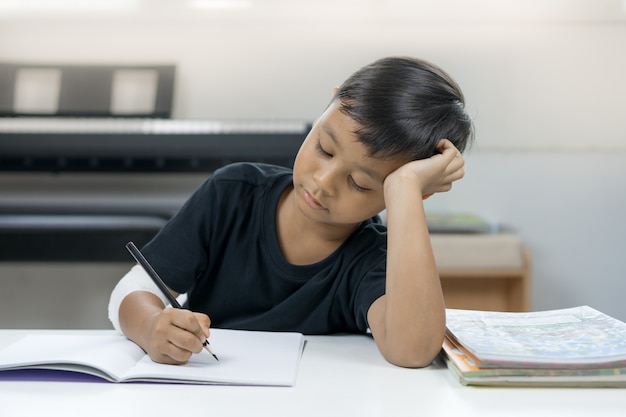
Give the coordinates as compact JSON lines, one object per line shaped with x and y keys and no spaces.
{"x":408,"y":322}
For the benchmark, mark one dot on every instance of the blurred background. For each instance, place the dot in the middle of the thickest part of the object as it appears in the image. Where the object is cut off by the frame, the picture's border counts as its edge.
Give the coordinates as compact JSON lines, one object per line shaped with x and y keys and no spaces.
{"x":544,"y":81}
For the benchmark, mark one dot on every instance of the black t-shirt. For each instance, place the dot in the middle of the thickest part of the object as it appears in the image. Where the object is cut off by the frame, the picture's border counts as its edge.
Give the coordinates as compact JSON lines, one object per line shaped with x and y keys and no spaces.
{"x":222,"y":249}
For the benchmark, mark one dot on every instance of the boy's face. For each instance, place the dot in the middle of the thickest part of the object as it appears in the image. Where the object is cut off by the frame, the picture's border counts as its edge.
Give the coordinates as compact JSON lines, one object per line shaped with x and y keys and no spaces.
{"x":335,"y":181}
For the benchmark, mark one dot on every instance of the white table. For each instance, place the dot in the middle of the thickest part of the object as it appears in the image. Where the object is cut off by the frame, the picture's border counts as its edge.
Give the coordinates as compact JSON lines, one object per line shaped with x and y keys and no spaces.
{"x":338,"y":376}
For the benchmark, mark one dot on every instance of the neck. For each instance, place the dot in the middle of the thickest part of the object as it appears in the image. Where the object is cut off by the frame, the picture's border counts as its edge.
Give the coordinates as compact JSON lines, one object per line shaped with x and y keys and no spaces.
{"x":303,"y":241}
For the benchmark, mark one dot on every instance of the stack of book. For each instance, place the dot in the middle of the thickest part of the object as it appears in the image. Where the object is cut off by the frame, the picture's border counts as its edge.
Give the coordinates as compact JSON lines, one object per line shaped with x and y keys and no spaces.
{"x":440,"y":222}
{"x":573,"y":347}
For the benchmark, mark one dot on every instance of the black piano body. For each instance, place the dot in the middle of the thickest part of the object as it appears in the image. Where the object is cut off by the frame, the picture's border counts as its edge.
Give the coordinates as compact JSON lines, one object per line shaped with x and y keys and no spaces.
{"x":77,"y":189}
{"x":143,"y":145}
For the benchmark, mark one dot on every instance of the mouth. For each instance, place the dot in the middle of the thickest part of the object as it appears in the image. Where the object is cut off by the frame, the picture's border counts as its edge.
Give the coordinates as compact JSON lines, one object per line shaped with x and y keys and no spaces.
{"x":312,"y":202}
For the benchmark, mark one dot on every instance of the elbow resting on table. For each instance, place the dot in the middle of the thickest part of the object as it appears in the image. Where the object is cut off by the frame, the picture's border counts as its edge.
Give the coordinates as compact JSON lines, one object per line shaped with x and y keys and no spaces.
{"x":410,"y":356}
{"x":407,"y":342}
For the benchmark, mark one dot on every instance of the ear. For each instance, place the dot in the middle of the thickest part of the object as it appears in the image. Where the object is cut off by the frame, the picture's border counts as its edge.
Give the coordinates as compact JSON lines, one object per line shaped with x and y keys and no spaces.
{"x":335,"y":89}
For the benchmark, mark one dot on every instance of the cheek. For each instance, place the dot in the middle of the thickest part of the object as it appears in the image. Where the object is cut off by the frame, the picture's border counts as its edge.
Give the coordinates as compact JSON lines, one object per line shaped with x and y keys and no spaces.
{"x":303,"y":157}
{"x":377,"y":203}
{"x":377,"y":208}
{"x":299,"y":165}
{"x":364,"y":207}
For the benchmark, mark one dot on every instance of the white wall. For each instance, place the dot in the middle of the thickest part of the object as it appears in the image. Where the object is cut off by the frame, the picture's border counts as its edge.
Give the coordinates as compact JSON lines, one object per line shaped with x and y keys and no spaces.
{"x":545,"y":82}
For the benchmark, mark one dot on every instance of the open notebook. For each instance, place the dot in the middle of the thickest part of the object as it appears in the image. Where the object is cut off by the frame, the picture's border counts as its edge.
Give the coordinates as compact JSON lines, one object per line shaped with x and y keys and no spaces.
{"x":246,"y":358}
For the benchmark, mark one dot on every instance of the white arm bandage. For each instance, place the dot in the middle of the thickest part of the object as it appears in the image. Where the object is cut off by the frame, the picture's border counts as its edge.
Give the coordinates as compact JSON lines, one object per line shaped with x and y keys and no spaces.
{"x":135,"y":280}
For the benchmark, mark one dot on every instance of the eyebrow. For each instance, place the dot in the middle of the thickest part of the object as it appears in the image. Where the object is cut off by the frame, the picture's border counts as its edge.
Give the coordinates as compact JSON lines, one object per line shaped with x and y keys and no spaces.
{"x":372,"y":174}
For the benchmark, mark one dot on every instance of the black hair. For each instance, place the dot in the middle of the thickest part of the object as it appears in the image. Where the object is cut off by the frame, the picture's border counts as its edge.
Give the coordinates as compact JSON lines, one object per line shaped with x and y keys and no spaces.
{"x":404,"y":106}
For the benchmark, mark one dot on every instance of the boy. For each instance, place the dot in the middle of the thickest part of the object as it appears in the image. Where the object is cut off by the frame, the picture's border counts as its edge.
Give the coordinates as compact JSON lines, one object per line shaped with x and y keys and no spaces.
{"x":261,"y":247}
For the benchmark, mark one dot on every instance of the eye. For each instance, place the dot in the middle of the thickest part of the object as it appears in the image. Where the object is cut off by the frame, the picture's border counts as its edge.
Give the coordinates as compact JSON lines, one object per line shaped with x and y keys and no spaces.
{"x":356,"y":186}
{"x":321,"y":150}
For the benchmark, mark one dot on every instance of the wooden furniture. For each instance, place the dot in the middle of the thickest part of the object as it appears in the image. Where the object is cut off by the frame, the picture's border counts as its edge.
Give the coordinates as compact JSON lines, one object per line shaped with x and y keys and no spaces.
{"x":483,"y":271}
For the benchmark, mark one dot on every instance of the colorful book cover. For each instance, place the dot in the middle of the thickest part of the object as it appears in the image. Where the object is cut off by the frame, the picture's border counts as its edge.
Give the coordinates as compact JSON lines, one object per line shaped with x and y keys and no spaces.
{"x":565,"y":338}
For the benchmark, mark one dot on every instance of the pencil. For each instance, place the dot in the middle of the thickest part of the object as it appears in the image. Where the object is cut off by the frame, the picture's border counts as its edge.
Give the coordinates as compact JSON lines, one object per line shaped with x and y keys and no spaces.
{"x":159,"y":283}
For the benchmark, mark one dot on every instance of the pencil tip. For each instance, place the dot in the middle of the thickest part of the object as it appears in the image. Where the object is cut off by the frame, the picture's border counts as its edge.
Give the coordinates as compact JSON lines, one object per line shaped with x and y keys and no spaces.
{"x":208,"y":349}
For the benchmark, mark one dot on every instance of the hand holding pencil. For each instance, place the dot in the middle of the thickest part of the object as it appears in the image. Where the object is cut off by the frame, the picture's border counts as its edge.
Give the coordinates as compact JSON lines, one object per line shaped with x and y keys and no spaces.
{"x":180,"y":321}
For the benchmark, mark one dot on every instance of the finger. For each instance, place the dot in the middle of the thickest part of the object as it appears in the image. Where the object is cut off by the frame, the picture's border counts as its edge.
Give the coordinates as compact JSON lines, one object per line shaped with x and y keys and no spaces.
{"x":182,"y":344}
{"x":194,"y":323}
{"x":163,"y":358}
{"x":453,"y":176}
{"x":450,"y":155}
{"x":442,"y":144}
{"x":454,"y":172}
{"x":456,"y":163}
{"x":183,"y":331}
{"x":445,"y":145}
{"x":169,"y":347}
{"x":455,"y":166}
{"x":205,"y":323}
{"x":188,"y":321}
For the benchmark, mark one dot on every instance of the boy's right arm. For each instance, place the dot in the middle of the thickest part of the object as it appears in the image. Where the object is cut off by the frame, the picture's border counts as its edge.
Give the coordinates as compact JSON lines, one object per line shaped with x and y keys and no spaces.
{"x":168,"y":335}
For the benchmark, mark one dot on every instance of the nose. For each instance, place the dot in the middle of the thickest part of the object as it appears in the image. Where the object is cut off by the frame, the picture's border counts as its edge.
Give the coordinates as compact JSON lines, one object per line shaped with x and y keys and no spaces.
{"x":325,"y":179}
